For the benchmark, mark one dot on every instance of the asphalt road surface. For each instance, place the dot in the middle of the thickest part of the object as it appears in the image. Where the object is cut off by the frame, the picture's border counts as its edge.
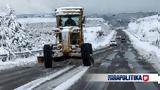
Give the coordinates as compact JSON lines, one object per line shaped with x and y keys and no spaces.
{"x":16,"y":77}
{"x":121,"y":59}
{"x":13,"y":78}
{"x":116,"y":59}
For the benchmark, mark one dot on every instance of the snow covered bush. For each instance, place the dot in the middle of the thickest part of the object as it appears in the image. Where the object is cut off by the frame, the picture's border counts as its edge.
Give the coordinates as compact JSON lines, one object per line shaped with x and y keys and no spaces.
{"x":97,"y":32}
{"x":147,"y":29}
{"x":13,"y":37}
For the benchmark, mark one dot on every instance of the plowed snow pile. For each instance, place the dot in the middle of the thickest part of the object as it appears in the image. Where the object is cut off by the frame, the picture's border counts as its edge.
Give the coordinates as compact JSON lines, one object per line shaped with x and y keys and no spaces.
{"x":147,"y":29}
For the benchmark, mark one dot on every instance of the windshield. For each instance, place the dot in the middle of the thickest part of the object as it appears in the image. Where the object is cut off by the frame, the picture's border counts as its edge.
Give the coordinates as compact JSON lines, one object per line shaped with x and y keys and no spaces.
{"x":69,"y":20}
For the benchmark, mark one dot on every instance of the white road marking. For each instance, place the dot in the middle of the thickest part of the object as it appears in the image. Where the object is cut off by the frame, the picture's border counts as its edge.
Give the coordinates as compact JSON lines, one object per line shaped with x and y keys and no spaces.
{"x":71,"y":81}
{"x":31,"y":85}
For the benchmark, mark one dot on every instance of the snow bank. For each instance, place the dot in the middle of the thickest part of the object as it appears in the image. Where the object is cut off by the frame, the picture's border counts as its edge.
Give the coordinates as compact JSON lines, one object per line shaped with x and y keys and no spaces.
{"x":147,"y":29}
{"x":18,"y":62}
{"x":91,"y":36}
{"x":148,"y":51}
{"x":145,"y":36}
{"x":95,"y":27}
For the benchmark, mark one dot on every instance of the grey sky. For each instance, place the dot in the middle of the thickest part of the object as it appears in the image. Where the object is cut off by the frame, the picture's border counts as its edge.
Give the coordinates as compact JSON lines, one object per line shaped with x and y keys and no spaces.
{"x":91,"y":6}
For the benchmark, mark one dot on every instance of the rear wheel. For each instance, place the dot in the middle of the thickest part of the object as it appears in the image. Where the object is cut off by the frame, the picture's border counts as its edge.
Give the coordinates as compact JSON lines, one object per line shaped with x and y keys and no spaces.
{"x":47,"y":50}
{"x":86,"y":51}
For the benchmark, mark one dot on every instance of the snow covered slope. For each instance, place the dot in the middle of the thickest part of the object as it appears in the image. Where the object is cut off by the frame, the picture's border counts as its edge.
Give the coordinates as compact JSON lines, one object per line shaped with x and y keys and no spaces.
{"x":150,"y":52}
{"x":147,"y":29}
{"x":145,"y":37}
{"x":91,"y":35}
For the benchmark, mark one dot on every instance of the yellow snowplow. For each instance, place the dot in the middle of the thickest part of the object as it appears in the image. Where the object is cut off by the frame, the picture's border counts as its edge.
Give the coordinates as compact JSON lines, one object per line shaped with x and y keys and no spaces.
{"x":69,"y":38}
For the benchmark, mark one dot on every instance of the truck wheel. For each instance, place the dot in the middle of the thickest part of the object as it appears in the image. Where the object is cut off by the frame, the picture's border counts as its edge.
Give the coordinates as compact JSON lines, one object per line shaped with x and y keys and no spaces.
{"x":47,"y":56}
{"x":86,"y":51}
{"x":90,"y":48}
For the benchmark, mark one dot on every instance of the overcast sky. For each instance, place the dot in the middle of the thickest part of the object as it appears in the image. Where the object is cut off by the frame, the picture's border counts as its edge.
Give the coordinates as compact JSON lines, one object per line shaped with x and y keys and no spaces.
{"x":91,"y":6}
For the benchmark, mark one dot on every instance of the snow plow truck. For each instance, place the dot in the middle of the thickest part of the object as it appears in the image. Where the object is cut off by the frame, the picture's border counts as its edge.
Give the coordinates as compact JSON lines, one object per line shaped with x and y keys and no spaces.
{"x":69,"y":38}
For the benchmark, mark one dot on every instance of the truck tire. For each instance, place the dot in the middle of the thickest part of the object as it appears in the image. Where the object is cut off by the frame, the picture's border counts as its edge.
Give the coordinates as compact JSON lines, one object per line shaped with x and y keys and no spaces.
{"x":47,"y":56}
{"x":90,"y":48}
{"x":86,"y":51}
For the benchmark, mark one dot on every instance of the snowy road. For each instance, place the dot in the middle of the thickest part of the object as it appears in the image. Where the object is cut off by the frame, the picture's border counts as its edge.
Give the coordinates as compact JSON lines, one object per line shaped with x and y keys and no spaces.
{"x":24,"y":78}
{"x":121,"y":59}
{"x":16,"y":77}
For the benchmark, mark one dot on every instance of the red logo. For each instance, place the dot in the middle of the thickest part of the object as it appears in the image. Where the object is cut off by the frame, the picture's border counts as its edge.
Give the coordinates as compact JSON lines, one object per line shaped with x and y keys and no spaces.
{"x":145,"y":78}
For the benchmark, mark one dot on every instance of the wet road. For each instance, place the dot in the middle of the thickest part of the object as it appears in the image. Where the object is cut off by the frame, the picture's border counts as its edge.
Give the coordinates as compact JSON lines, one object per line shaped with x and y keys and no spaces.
{"x":13,"y":78}
{"x":121,"y":59}
{"x":118,"y":59}
{"x":16,"y":77}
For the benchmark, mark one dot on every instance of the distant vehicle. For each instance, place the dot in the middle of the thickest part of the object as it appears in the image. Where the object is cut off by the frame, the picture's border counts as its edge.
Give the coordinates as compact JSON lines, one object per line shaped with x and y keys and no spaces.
{"x":113,"y":43}
{"x":69,"y":38}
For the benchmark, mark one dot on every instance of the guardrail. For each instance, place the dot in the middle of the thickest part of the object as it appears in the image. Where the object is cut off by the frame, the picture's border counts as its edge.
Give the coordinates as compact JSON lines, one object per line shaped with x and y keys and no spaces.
{"x":4,"y":57}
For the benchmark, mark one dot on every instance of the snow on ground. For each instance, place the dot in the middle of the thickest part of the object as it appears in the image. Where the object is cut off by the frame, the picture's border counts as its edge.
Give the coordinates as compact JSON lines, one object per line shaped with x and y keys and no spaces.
{"x":18,"y":62}
{"x":13,"y":37}
{"x":36,"y":20}
{"x":95,"y":19}
{"x":149,"y":52}
{"x":3,"y":51}
{"x":91,"y":36}
{"x":147,"y":29}
{"x":145,"y":36}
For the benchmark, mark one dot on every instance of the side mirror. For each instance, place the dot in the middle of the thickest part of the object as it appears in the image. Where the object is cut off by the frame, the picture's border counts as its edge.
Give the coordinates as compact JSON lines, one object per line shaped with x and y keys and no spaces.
{"x":84,"y":19}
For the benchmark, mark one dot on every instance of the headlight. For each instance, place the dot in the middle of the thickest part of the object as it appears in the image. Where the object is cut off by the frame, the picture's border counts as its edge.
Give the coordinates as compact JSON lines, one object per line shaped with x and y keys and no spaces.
{"x":59,"y":46}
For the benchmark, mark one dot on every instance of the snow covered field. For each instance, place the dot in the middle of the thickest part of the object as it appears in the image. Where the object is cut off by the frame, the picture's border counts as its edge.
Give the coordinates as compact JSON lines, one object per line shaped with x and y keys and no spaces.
{"x":36,"y":20}
{"x":145,"y":37}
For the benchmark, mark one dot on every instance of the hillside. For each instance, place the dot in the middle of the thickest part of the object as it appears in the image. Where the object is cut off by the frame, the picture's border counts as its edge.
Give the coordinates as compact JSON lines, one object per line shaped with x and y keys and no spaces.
{"x":147,"y":29}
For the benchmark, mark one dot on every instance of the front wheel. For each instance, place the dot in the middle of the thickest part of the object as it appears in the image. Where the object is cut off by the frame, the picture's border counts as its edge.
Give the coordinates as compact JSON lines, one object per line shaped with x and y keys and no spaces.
{"x":86,"y":53}
{"x":47,"y":51}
